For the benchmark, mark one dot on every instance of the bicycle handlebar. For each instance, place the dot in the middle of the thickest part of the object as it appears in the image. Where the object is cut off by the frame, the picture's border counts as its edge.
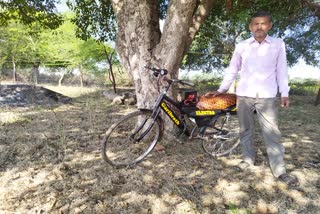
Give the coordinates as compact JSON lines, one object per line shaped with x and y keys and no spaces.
{"x":182,"y":82}
{"x":163,"y":72}
{"x":156,"y":71}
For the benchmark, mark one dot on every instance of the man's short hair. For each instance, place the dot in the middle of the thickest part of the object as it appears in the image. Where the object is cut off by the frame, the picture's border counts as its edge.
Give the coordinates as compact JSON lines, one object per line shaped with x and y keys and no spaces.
{"x":261,"y":14}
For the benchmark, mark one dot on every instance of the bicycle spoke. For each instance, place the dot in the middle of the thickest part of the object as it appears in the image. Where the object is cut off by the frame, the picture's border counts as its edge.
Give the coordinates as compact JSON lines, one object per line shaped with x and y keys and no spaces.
{"x":224,"y":141}
{"x":131,"y":139}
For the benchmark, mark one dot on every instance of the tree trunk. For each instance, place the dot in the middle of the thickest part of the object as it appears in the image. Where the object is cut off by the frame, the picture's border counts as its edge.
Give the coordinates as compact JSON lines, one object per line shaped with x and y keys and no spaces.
{"x":14,"y":72}
{"x":318,"y":98}
{"x":140,"y":42}
{"x":61,"y":79}
{"x":81,"y":79}
{"x":81,"y":76}
{"x":138,"y":35}
{"x":111,"y":73}
{"x":35,"y":72}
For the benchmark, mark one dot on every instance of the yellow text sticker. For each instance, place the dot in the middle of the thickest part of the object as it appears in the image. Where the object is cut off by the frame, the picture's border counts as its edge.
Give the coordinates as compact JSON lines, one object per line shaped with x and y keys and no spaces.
{"x":205,"y":113}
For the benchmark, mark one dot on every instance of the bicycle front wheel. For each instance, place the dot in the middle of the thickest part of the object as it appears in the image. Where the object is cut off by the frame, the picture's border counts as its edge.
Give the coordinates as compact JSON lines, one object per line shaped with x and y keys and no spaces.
{"x":222,"y":142}
{"x":131,"y":139}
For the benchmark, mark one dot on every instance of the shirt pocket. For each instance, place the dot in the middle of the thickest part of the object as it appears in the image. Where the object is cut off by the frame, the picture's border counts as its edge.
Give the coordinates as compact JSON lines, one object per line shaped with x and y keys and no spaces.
{"x":269,"y":60}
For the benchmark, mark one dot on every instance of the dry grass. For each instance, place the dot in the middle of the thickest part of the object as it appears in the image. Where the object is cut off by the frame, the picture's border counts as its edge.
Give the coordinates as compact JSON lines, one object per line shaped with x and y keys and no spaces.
{"x":50,"y":162}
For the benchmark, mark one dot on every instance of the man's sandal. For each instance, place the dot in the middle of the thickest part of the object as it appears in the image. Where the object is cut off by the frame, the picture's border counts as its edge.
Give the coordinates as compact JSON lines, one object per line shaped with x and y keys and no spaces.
{"x":290,"y":181}
{"x":243,"y":166}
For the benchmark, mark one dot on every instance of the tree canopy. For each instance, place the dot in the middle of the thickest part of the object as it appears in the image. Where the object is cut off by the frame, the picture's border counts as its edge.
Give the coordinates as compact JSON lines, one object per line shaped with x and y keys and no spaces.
{"x":30,"y":46}
{"x":297,"y":22}
{"x":294,"y":21}
{"x":29,"y":12}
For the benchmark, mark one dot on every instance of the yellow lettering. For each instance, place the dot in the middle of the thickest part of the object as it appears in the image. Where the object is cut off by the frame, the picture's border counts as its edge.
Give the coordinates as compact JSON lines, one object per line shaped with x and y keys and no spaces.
{"x":170,"y":113}
{"x":205,"y":113}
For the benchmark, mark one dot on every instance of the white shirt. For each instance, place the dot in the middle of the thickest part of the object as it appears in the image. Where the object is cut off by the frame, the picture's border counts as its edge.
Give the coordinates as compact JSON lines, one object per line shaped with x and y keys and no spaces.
{"x":262,"y":68}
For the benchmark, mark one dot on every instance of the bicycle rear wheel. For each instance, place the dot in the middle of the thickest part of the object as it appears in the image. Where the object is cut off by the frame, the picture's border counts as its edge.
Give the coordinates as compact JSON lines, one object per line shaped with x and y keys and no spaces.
{"x":221,"y":143}
{"x":131,"y":139}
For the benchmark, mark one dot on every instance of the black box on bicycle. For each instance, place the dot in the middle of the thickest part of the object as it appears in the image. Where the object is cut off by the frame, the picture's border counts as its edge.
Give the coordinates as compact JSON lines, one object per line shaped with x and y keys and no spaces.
{"x":190,"y":98}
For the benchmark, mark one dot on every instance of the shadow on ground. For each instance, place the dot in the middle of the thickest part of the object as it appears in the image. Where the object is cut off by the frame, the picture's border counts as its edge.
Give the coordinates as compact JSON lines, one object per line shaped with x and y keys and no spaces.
{"x":50,"y":162}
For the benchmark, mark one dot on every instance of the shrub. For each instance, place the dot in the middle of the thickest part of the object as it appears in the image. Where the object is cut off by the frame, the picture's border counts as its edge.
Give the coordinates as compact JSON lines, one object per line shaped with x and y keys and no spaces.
{"x":304,"y":86}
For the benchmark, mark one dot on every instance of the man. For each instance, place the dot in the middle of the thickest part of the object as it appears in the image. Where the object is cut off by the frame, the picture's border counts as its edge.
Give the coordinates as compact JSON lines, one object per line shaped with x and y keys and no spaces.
{"x":261,"y":63}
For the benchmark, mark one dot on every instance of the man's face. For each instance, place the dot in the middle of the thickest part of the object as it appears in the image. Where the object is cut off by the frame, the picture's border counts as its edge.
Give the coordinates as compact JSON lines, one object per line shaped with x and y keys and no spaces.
{"x":260,"y":26}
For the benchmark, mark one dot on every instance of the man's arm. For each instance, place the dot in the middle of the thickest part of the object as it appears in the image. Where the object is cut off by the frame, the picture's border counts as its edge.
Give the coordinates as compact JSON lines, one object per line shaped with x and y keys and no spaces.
{"x":232,"y":71}
{"x":282,"y":76}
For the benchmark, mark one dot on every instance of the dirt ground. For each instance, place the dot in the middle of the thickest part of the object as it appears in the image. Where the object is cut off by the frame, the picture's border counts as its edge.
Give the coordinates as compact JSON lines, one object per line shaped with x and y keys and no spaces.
{"x":50,"y":162}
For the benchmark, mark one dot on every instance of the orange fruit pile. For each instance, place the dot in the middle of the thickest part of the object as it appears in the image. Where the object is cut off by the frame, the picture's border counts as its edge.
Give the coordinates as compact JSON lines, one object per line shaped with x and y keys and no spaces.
{"x":221,"y":101}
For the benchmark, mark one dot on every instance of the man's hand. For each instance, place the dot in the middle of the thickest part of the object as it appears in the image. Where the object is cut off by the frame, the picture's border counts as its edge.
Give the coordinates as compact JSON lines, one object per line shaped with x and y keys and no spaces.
{"x":285,"y":102}
{"x":212,"y":94}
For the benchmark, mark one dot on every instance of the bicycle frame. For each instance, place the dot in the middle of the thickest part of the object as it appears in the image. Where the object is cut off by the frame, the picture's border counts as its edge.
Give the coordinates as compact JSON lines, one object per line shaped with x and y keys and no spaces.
{"x":144,"y":128}
{"x":172,"y":110}
{"x":176,"y":113}
{"x":164,"y":103}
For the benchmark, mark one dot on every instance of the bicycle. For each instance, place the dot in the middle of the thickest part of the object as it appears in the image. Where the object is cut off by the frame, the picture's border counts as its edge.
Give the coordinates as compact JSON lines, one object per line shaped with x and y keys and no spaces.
{"x":143,"y":129}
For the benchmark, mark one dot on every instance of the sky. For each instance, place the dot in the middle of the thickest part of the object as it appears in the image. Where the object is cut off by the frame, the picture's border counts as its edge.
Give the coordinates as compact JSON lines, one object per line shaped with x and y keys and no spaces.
{"x":62,"y":6}
{"x":301,"y":70}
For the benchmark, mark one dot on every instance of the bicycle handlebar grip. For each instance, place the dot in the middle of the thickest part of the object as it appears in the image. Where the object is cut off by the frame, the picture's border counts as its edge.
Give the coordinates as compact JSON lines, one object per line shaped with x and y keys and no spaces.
{"x":156,"y":71}
{"x":163,"y":71}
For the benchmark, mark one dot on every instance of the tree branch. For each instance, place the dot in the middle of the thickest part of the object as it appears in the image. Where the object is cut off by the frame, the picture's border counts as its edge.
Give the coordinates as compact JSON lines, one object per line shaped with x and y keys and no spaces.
{"x":315,"y":7}
{"x":199,"y":17}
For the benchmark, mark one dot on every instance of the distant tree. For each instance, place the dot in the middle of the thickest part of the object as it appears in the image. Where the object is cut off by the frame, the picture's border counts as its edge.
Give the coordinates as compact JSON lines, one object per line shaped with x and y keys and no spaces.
{"x":31,"y":46}
{"x":28,"y":12}
{"x":14,"y":47}
{"x":101,"y":26}
{"x":317,"y":98}
{"x":26,"y":47}
{"x":94,"y":54}
{"x":34,"y":17}
{"x":74,"y":53}
{"x":39,"y":52}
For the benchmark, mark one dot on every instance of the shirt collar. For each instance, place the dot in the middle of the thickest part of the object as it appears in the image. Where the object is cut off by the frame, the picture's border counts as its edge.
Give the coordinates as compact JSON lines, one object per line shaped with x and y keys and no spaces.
{"x":267,"y":39}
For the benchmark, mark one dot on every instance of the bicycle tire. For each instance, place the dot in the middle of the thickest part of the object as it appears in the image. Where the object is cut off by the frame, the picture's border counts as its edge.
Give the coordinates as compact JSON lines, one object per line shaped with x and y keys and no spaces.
{"x":218,"y":145}
{"x":121,"y":149}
